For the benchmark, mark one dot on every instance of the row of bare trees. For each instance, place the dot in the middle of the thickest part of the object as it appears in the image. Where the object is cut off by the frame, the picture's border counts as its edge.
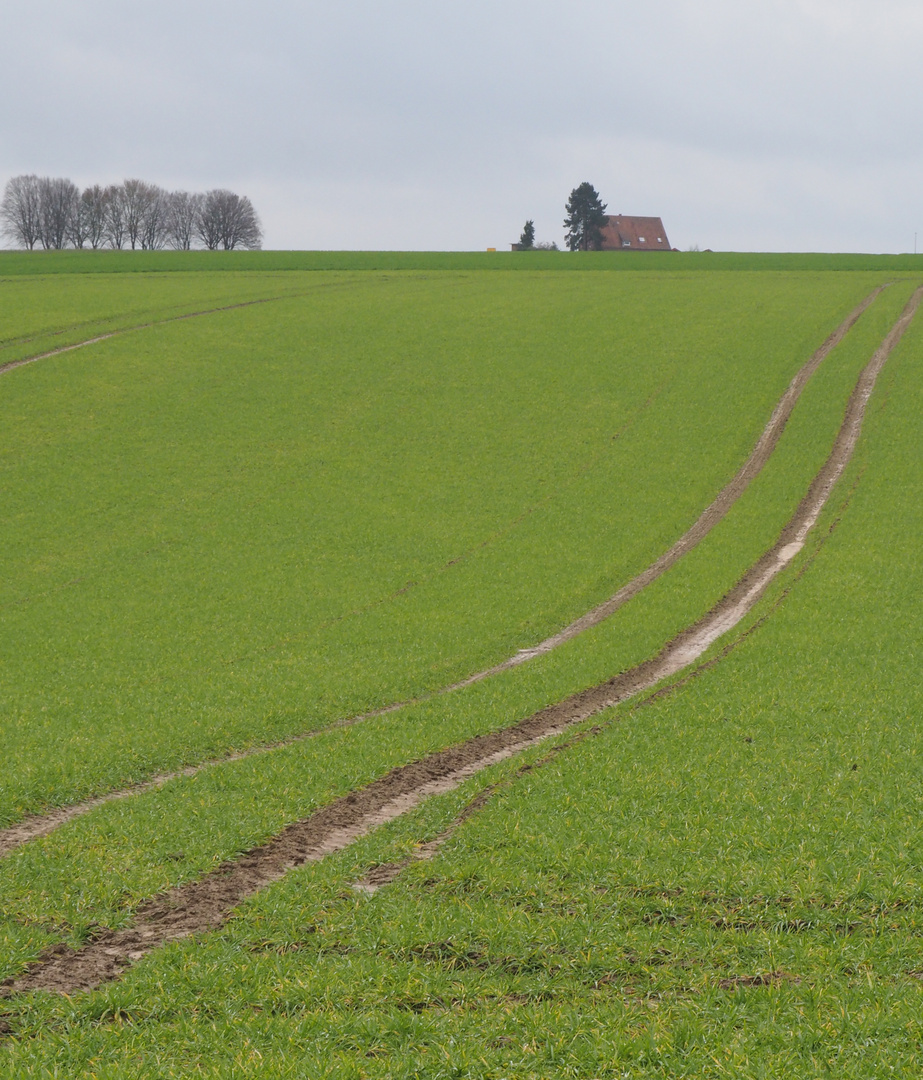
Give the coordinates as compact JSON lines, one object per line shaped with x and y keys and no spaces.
{"x":54,"y":213}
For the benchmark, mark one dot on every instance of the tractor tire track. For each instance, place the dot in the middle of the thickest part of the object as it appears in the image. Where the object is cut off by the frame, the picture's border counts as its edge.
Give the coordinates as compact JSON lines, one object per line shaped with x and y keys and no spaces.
{"x":387,"y":873}
{"x":11,"y":364}
{"x":709,"y":517}
{"x":207,"y":902}
{"x":36,"y":826}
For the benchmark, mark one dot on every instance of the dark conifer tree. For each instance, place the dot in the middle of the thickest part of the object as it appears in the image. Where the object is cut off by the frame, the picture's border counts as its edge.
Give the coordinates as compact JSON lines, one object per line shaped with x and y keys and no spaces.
{"x":586,"y":216}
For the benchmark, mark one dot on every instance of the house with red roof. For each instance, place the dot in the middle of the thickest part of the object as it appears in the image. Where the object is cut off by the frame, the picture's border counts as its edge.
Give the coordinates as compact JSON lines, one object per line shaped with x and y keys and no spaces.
{"x":622,"y":233}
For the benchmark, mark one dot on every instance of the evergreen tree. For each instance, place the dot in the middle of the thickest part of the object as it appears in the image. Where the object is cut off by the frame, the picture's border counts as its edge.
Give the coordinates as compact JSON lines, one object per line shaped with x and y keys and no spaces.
{"x":527,"y":240}
{"x":586,"y":216}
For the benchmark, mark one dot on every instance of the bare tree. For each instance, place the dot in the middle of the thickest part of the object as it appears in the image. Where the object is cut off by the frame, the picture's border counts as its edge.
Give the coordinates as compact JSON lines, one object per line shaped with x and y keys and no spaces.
{"x":20,"y":211}
{"x":115,"y":215}
{"x":57,"y":199}
{"x":228,"y":221}
{"x":183,"y":217}
{"x":141,"y":217}
{"x":155,"y":216}
{"x":53,"y":212}
{"x":134,"y":203}
{"x":94,"y":215}
{"x":244,"y":228}
{"x":77,"y":226}
{"x":208,"y":225}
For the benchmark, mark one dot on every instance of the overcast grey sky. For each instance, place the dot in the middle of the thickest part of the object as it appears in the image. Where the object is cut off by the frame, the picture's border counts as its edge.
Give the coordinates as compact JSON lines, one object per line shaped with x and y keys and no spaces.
{"x":443,"y":124}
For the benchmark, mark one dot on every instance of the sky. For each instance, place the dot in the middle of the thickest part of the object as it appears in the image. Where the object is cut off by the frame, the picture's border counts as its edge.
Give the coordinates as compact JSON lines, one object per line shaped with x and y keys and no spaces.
{"x":760,"y":125}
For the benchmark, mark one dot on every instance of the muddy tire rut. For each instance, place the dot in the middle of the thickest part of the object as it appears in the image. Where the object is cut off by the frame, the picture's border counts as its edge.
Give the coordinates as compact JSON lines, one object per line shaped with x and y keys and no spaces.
{"x":206,"y":903}
{"x":40,"y":825}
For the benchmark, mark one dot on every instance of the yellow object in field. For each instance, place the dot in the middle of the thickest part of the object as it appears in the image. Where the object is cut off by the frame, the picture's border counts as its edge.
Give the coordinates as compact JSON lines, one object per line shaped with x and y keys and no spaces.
{"x":491,"y":249}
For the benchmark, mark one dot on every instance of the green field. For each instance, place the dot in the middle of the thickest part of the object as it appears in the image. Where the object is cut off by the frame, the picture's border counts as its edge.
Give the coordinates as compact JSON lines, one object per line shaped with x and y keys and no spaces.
{"x":122,"y":262}
{"x":291,"y":488}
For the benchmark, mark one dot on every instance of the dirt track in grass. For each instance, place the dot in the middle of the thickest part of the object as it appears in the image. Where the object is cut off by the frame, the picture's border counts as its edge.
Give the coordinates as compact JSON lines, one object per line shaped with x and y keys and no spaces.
{"x":204,"y":904}
{"x":39,"y":825}
{"x":709,"y":517}
{"x":11,"y":364}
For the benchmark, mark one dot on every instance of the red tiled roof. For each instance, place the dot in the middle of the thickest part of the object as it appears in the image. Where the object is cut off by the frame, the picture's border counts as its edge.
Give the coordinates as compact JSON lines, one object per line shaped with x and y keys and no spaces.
{"x":634,"y":234}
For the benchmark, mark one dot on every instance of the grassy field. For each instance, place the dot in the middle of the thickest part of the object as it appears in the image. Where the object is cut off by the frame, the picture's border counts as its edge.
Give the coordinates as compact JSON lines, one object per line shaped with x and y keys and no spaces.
{"x":231,"y":529}
{"x":56,"y":310}
{"x":211,"y":532}
{"x":13,"y":264}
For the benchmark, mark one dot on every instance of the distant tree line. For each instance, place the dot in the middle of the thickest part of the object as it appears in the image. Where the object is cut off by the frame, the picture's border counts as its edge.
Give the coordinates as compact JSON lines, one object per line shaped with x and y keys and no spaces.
{"x":53,"y":213}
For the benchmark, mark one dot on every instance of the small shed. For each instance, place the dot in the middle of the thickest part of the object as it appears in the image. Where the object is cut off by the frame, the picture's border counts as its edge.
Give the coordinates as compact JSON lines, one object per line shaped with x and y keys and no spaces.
{"x":622,"y":233}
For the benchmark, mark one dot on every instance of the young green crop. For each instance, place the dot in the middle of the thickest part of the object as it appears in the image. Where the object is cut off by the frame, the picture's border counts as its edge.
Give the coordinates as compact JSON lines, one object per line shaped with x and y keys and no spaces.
{"x":707,"y":888}
{"x":16,"y":264}
{"x":201,"y":813}
{"x":39,"y":314}
{"x":584,"y":922}
{"x":227,"y":530}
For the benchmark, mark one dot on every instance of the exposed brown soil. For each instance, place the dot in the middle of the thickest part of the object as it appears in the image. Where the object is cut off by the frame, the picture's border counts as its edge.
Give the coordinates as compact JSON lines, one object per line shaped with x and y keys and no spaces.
{"x":206,"y":903}
{"x":39,"y":825}
{"x":386,"y":873}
